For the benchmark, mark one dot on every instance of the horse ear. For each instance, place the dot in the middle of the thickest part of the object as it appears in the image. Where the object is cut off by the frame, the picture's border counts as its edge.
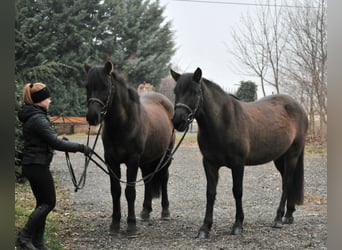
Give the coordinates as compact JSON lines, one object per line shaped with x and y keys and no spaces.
{"x":174,"y":75}
{"x":87,"y":67}
{"x":197,"y":75}
{"x":108,"y":67}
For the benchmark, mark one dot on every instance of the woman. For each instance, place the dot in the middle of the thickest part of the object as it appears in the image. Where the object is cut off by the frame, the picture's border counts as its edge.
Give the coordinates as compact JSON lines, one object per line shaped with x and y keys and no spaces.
{"x":40,"y":140}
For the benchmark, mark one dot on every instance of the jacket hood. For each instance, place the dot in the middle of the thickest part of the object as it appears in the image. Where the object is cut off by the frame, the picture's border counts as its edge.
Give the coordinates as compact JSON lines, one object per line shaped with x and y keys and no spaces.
{"x":27,"y":110}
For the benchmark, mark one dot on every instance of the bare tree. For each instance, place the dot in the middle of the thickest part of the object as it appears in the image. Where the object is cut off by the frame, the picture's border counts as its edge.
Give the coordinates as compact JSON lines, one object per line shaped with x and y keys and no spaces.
{"x":286,"y":47}
{"x":166,"y":87}
{"x":259,"y":42}
{"x":307,"y":54}
{"x":248,"y":48}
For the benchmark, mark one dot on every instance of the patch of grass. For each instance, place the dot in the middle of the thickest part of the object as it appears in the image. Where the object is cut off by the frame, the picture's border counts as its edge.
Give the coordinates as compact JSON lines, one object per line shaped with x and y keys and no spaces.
{"x":190,"y":139}
{"x":318,"y":150}
{"x":56,"y":231}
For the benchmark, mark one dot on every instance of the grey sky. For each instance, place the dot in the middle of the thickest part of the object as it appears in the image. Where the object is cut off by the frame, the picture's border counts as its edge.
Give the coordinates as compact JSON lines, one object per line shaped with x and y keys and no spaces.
{"x":202,"y":34}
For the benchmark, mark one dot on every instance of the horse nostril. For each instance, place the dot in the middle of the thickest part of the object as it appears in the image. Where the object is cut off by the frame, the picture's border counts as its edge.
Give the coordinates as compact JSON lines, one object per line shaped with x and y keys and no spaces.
{"x":179,"y":121}
{"x":93,"y":119}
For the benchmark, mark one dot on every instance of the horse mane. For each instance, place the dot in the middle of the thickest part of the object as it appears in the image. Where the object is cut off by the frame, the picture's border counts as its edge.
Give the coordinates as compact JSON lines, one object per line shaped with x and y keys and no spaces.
{"x":216,"y":87}
{"x":121,"y":80}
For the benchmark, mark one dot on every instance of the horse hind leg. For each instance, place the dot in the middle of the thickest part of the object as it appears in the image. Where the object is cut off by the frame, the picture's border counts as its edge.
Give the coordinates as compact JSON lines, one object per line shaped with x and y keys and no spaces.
{"x":154,"y":186}
{"x":147,"y":204}
{"x":165,"y":214}
{"x":295,"y":186}
{"x":277,"y":222}
{"x":291,"y":168}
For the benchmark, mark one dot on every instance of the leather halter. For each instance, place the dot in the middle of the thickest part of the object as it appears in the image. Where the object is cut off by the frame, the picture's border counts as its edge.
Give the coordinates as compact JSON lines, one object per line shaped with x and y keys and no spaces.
{"x":104,"y":106}
{"x":191,"y":112}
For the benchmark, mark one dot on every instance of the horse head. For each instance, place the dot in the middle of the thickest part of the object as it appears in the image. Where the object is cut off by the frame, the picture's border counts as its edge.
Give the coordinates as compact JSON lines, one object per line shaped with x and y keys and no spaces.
{"x":99,"y":90}
{"x":187,"y":97}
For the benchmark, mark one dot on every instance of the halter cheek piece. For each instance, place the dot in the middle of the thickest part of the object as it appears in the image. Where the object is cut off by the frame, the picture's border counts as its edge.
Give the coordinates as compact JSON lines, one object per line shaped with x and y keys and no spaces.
{"x":104,"y":106}
{"x":192,"y":112}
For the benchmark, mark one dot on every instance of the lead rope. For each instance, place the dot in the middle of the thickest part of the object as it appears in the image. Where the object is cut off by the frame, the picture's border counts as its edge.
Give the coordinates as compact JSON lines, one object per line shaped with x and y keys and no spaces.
{"x":150,"y":176}
{"x":81,"y":183}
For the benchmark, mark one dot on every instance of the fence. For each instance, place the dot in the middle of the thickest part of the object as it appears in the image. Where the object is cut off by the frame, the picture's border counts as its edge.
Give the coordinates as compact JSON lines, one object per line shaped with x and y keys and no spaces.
{"x":72,"y":125}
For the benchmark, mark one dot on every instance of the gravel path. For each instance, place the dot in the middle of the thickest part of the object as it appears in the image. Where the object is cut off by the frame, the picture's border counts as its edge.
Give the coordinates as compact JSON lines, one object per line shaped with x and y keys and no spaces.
{"x":187,"y":188}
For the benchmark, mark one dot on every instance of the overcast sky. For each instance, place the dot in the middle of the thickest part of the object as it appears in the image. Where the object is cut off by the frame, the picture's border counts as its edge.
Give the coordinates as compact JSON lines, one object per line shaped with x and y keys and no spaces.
{"x":202,"y":33}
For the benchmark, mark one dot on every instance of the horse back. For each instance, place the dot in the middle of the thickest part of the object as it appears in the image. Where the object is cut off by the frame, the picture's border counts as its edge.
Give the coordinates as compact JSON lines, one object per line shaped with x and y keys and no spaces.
{"x":158,"y":112}
{"x":279,"y":108}
{"x":157,"y":99}
{"x":274,"y":124}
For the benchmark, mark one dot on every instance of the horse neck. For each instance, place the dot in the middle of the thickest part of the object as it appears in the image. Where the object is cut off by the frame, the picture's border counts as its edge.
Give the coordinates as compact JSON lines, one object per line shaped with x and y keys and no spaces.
{"x":215,"y":105}
{"x":123,"y":110}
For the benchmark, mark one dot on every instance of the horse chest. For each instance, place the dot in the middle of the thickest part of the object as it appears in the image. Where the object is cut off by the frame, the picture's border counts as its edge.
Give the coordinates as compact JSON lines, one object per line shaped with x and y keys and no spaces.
{"x":221,"y":151}
{"x":121,"y":147}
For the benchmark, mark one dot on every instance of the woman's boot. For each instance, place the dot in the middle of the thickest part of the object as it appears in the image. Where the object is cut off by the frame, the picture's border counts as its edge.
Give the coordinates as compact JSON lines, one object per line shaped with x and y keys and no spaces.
{"x":38,"y":238}
{"x":25,"y":236}
{"x":24,"y":240}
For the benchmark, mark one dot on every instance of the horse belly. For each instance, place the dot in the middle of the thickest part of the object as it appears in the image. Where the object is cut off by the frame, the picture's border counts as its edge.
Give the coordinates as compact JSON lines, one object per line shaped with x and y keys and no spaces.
{"x":264,"y":151}
{"x":158,"y":135}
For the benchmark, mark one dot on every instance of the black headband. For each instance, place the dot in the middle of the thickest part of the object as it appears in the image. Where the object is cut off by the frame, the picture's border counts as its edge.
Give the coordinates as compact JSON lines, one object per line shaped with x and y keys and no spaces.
{"x":40,"y":95}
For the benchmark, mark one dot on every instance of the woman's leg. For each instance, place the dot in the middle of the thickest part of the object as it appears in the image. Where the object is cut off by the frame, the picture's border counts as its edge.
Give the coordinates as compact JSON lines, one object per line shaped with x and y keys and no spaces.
{"x":43,"y":188}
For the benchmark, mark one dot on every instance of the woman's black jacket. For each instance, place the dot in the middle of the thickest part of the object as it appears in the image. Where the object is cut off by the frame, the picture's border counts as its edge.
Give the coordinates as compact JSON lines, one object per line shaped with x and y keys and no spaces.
{"x":40,"y":138}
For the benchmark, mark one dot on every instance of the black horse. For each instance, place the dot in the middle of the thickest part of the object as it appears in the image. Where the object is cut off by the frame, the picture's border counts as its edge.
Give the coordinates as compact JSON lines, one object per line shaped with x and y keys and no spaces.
{"x":233,"y":133}
{"x":137,"y":131}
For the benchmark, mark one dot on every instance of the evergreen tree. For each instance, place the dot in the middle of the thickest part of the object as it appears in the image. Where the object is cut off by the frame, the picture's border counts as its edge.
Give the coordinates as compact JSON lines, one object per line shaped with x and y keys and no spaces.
{"x":137,"y":39}
{"x":49,"y":49}
{"x":247,"y":91}
{"x":53,"y":40}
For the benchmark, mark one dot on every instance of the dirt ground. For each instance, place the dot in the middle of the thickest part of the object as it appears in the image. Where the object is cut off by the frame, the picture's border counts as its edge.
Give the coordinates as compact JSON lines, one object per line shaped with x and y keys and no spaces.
{"x":90,"y":214}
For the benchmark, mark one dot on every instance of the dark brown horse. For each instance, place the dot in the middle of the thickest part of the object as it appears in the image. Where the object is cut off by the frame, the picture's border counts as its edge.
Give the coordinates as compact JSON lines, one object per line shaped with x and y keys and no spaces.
{"x":138,"y":132}
{"x":233,"y":133}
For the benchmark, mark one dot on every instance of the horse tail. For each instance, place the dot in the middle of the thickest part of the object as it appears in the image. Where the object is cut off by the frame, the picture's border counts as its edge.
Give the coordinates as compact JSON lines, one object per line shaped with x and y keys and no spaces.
{"x":159,"y":179}
{"x":298,"y":179}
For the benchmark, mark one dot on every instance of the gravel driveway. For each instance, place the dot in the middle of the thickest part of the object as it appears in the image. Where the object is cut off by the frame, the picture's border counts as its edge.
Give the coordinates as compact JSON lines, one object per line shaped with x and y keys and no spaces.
{"x":187,"y":188}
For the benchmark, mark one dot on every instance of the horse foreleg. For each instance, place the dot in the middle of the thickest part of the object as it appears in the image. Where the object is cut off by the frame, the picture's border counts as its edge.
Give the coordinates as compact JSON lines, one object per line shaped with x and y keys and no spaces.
{"x":237,"y":173}
{"x":115,"y":189}
{"x":211,"y":173}
{"x":130,"y":192}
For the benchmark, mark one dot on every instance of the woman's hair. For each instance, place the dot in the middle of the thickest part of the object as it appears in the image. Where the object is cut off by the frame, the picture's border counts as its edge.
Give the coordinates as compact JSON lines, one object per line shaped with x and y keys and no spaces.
{"x":35,"y":92}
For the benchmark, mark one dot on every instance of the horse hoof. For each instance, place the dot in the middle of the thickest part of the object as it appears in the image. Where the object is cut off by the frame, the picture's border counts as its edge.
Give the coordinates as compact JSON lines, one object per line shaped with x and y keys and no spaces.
{"x":288,"y":220}
{"x":202,"y":235}
{"x":277,"y":224}
{"x":145,"y":215}
{"x":114,"y":229}
{"x":236,"y":231}
{"x":165,"y":215}
{"x":131,"y":233}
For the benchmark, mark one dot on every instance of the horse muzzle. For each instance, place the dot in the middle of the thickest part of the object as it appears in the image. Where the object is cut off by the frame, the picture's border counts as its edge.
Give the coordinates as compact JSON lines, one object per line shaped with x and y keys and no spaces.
{"x":94,"y":116}
{"x":180,"y":121}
